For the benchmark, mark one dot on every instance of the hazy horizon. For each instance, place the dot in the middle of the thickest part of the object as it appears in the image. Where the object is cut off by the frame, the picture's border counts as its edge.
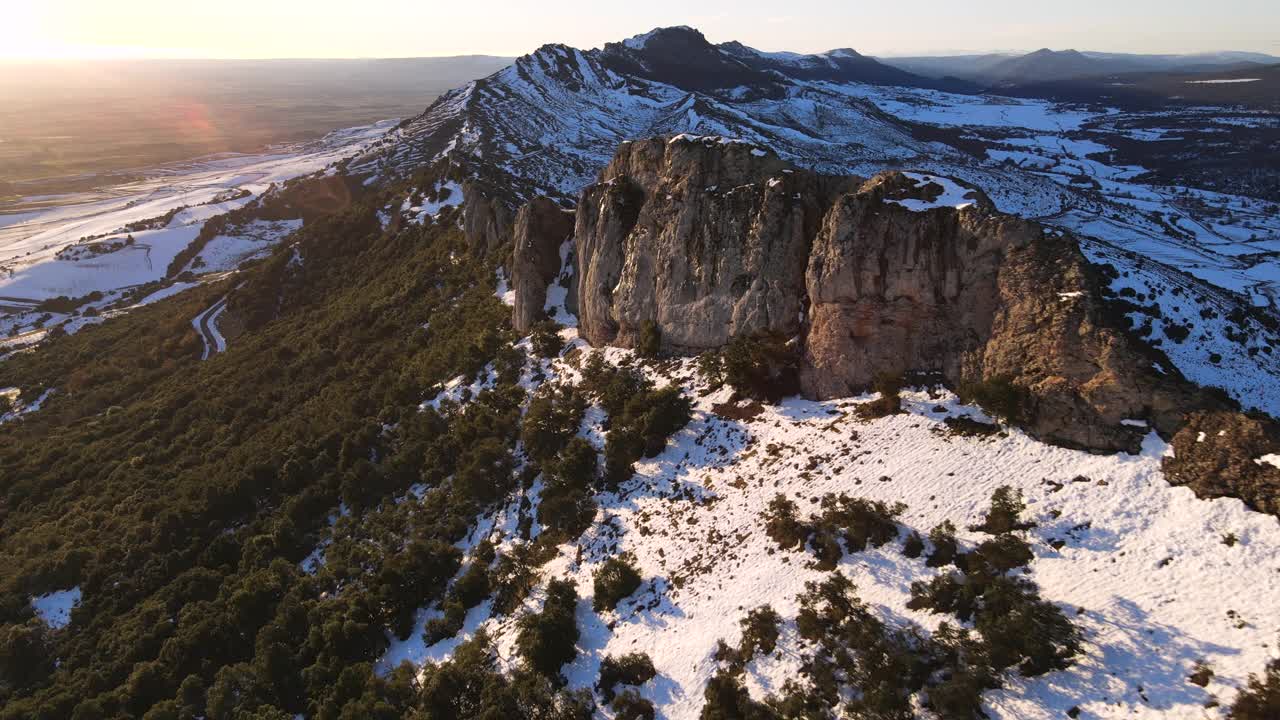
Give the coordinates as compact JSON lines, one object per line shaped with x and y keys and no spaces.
{"x":398,"y":29}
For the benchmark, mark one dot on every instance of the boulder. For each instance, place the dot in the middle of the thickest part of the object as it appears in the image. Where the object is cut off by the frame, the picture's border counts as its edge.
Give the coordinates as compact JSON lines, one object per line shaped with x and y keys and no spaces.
{"x":1228,"y":454}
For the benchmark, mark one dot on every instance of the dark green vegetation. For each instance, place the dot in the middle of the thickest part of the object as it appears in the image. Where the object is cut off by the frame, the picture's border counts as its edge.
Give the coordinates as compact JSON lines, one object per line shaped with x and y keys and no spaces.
{"x":616,"y":579}
{"x":630,"y":669}
{"x":181,"y":495}
{"x":997,"y":396}
{"x":546,"y":340}
{"x":859,"y":666}
{"x":761,"y":367}
{"x":1019,"y":629}
{"x":470,"y":686}
{"x":641,"y":419}
{"x":890,"y":401}
{"x":845,"y":524}
{"x":1261,"y":698}
{"x":548,"y":639}
{"x":760,"y":633}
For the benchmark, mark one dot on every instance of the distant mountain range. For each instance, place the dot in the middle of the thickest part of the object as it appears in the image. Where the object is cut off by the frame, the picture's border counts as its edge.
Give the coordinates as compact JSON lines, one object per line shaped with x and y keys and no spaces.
{"x":1046,"y":65}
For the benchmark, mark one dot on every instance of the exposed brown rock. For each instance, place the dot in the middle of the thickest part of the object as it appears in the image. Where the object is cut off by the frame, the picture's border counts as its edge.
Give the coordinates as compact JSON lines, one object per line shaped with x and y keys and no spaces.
{"x":712,"y":241}
{"x":1050,"y":335}
{"x":541,"y":227}
{"x":892,"y":290}
{"x":486,"y":220}
{"x":1218,"y":454}
{"x":973,"y":294}
{"x":707,"y":239}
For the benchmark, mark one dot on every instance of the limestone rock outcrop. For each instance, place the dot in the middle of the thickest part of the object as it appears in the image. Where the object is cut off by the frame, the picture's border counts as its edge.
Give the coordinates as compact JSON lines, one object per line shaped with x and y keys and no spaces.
{"x":711,"y":240}
{"x":893,"y":290}
{"x":707,"y":239}
{"x":541,"y":227}
{"x":486,"y":219}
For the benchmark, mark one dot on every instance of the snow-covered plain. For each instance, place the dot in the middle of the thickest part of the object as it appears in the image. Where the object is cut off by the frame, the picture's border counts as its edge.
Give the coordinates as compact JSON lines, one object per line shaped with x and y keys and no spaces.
{"x":73,"y":245}
{"x":1141,"y":567}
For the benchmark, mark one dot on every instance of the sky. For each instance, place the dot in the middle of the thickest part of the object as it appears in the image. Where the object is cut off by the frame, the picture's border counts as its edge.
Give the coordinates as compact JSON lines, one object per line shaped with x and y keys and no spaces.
{"x":55,"y":29}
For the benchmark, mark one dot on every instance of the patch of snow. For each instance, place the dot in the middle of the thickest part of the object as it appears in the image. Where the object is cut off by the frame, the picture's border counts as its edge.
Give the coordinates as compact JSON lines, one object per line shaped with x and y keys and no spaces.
{"x":952,"y":195}
{"x":504,"y":291}
{"x":13,"y":407}
{"x":447,"y":193}
{"x":55,"y":607}
{"x":1224,"y":81}
{"x":166,"y":292}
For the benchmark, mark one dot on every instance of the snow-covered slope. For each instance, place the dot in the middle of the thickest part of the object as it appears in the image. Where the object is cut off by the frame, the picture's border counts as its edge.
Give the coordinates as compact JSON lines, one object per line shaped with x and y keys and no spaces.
{"x":548,"y":123}
{"x":1157,"y":580}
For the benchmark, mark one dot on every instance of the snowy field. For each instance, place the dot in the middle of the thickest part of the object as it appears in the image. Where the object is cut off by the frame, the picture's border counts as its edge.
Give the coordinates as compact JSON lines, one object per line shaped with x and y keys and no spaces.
{"x":74,"y":245}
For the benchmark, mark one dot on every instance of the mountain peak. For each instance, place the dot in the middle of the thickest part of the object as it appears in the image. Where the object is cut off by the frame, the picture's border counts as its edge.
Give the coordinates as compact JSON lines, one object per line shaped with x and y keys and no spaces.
{"x":682,"y":57}
{"x":675,"y":34}
{"x":1047,"y":52}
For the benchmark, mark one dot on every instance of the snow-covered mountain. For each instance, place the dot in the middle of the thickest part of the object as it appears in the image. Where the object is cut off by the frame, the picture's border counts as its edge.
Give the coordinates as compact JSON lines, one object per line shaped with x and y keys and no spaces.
{"x":550,"y":122}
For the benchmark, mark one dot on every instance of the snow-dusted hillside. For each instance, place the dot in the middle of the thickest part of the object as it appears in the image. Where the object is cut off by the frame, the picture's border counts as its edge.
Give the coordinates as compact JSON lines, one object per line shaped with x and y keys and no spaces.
{"x":1160,"y":583}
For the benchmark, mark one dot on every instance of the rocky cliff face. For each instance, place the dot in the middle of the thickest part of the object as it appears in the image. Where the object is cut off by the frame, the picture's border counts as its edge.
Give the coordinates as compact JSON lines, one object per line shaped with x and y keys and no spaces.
{"x":712,"y":240}
{"x":1089,"y":383}
{"x":486,"y":219}
{"x":709,"y":240}
{"x":892,"y":289}
{"x":541,"y":228}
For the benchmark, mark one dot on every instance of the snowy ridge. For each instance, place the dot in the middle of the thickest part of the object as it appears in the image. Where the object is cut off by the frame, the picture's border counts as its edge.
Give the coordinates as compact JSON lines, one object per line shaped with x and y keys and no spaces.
{"x":555,"y":117}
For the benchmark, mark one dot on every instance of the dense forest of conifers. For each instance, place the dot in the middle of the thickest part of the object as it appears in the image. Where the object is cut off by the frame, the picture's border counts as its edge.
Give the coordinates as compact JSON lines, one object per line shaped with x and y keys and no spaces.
{"x":180,"y":495}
